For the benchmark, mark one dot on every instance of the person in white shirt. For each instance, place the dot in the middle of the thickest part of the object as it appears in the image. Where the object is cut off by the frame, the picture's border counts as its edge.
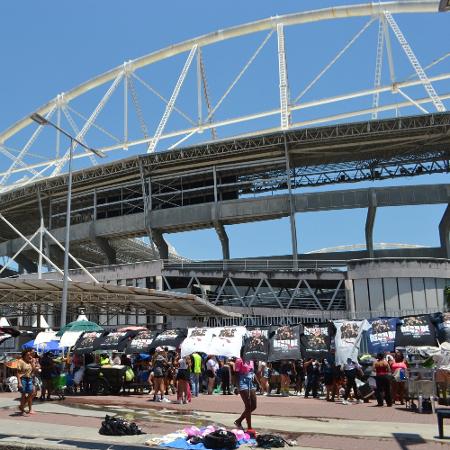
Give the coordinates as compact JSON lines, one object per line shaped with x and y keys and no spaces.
{"x":116,"y":361}
{"x":351,"y":370}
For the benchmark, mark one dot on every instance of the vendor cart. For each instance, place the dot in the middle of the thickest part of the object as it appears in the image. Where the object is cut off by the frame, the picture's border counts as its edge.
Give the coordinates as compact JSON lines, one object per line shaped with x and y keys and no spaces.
{"x":104,"y":380}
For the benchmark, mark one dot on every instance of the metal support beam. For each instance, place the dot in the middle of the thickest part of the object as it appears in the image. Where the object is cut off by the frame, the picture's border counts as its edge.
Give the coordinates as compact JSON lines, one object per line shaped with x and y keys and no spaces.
{"x":415,"y":63}
{"x":283,"y":79}
{"x":444,"y":232}
{"x":370,"y":221}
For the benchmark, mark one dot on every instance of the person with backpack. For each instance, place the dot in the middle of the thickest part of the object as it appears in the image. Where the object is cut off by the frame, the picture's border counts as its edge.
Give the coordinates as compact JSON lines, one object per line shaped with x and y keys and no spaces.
{"x":247,"y":390}
{"x":159,"y":364}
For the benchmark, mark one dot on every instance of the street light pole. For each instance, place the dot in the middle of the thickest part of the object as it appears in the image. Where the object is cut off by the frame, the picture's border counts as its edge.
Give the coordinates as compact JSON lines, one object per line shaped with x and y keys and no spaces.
{"x":67,"y":241}
{"x":43,"y":121}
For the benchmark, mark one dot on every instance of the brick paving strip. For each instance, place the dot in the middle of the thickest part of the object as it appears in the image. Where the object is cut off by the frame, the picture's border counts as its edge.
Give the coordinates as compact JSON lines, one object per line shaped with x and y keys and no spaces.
{"x":74,"y":423}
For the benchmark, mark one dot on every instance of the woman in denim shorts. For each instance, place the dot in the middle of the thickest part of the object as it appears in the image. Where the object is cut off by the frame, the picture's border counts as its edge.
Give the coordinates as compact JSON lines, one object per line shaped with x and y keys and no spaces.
{"x":25,"y":372}
{"x":247,"y":390}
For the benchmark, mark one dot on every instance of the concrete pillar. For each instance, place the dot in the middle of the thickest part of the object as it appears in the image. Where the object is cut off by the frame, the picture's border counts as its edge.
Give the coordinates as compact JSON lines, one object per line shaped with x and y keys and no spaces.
{"x":350,"y":298}
{"x":103,"y":244}
{"x":223,"y":237}
{"x":105,"y":247}
{"x":161,"y":244}
{"x":25,"y":263}
{"x":444,"y":232}
{"x":370,"y":221}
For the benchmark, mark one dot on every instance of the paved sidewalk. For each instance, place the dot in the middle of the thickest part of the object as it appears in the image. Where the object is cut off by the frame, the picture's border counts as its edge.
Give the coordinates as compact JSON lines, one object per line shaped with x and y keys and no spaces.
{"x":70,"y":425}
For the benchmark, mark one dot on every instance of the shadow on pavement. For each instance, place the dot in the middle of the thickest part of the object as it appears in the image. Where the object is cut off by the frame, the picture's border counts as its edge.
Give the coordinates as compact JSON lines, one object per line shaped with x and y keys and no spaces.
{"x":76,"y":444}
{"x":407,"y":440}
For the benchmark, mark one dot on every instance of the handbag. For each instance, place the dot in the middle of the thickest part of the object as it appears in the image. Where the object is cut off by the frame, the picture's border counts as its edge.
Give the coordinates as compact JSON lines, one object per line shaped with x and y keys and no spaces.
{"x":220,"y":439}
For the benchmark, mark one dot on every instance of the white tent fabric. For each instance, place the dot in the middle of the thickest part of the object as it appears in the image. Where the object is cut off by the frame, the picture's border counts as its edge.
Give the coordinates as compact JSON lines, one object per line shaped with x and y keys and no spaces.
{"x":82,"y":317}
{"x":45,"y":336}
{"x":69,"y":338}
{"x":4,"y":322}
{"x":44,"y":323}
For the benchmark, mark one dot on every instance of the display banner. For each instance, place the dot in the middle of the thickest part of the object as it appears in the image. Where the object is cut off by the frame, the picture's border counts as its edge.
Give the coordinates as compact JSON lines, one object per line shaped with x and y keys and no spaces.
{"x":415,"y":331}
{"x":284,"y":343}
{"x":348,"y":339}
{"x":85,"y":343}
{"x":256,"y":345}
{"x":381,"y":335}
{"x":142,"y":342}
{"x":114,"y":341}
{"x":316,"y":340}
{"x":198,"y":340}
{"x":227,"y":341}
{"x":170,"y":338}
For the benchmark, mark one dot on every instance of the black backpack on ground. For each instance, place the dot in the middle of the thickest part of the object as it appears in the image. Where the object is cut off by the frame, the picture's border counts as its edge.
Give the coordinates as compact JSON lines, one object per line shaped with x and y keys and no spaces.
{"x":271,"y":441}
{"x":117,"y":426}
{"x":220,"y":439}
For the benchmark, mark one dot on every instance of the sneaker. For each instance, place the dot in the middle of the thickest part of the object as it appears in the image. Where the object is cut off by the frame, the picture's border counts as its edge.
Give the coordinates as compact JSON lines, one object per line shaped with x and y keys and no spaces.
{"x":265,"y":394}
{"x":158,"y":400}
{"x":344,"y":402}
{"x":166,"y":400}
{"x":360,"y":401}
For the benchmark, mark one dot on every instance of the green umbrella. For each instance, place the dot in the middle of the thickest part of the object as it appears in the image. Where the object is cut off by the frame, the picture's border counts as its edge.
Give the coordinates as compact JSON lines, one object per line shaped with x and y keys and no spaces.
{"x":81,"y":324}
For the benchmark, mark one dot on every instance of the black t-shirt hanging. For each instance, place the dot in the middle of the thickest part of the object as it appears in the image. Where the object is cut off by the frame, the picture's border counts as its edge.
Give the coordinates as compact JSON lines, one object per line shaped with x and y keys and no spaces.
{"x":316,"y":340}
{"x":442,"y":323}
{"x":170,"y":338}
{"x":415,"y":331}
{"x":284,"y":343}
{"x":256,"y":345}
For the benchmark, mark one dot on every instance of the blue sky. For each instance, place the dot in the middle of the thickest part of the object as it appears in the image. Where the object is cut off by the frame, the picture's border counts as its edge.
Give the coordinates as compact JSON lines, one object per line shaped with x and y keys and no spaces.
{"x":49,"y":47}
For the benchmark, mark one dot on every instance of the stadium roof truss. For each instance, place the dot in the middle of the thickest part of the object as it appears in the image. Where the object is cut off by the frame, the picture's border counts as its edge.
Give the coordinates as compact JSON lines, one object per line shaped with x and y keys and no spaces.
{"x":25,"y":163}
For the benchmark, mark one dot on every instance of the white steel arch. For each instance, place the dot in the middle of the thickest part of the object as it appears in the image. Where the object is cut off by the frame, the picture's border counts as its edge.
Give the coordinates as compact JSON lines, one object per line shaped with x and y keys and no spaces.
{"x":125,"y":73}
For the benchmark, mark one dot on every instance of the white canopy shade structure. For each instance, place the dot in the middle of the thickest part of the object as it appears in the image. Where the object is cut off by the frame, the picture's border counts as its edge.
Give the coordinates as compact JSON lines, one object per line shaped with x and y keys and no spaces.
{"x":69,"y":338}
{"x":44,"y":323}
{"x":45,"y":336}
{"x":25,"y":293}
{"x":4,"y":322}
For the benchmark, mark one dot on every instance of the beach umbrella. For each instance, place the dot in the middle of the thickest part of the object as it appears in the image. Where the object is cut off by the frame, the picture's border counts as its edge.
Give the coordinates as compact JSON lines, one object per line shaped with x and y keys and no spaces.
{"x":142,"y":342}
{"x":114,"y":341}
{"x":81,"y":324}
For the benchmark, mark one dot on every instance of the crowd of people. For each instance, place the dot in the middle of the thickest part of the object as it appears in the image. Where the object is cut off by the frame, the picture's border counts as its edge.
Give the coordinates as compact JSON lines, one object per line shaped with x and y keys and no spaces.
{"x":165,"y":372}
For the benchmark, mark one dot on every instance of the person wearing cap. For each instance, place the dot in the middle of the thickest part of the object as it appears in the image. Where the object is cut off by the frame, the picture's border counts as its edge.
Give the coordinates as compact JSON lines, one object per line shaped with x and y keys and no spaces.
{"x":159,"y":364}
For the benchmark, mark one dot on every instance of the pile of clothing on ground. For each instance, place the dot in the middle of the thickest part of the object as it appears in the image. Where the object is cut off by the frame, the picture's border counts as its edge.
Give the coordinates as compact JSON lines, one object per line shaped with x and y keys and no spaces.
{"x":210,"y":437}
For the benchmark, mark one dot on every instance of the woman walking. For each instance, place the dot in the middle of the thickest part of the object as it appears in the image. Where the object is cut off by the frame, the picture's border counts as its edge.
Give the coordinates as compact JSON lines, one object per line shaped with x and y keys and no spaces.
{"x":25,"y":369}
{"x":247,"y":391}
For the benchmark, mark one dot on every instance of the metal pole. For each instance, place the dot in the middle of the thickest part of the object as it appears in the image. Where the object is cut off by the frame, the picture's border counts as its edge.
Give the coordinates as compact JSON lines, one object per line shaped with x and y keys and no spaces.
{"x":291,"y":207}
{"x":67,"y":240}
